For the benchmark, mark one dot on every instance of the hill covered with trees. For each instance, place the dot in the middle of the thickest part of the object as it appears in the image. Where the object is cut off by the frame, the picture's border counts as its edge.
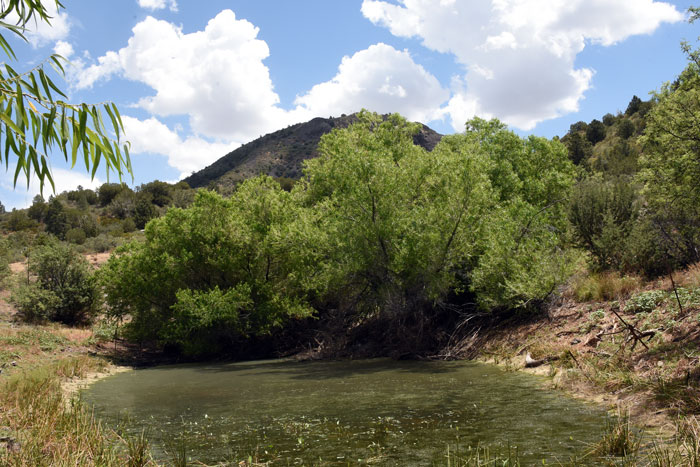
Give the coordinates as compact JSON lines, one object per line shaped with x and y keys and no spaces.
{"x":281,"y":154}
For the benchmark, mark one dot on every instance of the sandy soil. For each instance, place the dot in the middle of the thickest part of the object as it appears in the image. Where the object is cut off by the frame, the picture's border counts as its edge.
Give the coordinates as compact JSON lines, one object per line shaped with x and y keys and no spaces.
{"x":73,"y":386}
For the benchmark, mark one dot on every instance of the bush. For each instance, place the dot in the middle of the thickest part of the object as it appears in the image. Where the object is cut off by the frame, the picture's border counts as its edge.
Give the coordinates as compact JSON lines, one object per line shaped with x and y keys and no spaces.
{"x":100,"y":244}
{"x":4,"y":260}
{"x":17,"y":221}
{"x":602,"y":213}
{"x":65,"y":288}
{"x":34,"y":303}
{"x":76,"y":236}
{"x":128,"y":225}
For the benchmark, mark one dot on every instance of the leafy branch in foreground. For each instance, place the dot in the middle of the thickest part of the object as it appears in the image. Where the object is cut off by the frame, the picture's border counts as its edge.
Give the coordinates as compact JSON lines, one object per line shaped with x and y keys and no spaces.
{"x":34,"y":118}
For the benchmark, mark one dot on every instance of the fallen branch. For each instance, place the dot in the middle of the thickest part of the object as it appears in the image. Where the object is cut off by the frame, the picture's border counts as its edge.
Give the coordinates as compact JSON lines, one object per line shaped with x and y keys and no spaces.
{"x":635,"y":334}
{"x":532,"y":363}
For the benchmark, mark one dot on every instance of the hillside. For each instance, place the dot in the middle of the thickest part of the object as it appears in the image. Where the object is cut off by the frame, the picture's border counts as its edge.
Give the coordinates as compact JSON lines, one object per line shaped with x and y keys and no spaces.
{"x":609,"y":146}
{"x":280,"y":154}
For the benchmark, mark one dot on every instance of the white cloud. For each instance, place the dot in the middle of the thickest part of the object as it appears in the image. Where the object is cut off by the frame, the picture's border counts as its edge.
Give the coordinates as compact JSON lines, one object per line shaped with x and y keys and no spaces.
{"x":217,"y":77}
{"x":64,"y":49}
{"x":186,"y":155}
{"x":379,"y":78}
{"x":158,"y":4}
{"x":40,"y":33}
{"x":518,"y":55}
{"x":64,"y":179}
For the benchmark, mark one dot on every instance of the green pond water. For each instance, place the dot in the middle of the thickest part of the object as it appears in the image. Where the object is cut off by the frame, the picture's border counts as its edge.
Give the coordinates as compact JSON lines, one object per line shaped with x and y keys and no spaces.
{"x":348,"y":412}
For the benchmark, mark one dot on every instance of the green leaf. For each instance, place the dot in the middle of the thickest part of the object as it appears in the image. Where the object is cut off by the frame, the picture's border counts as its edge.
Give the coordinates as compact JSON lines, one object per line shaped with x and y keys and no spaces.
{"x":8,"y":121}
{"x":45,"y":84}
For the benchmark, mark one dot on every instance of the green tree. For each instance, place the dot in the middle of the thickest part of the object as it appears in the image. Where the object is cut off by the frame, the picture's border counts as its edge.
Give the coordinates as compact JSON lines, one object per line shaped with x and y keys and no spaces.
{"x":406,"y":227}
{"x":56,"y":219}
{"x":580,"y":149}
{"x":210,"y":276}
{"x":595,"y":131}
{"x":108,"y":191}
{"x":670,"y":165}
{"x":65,"y":288}
{"x":144,"y":210}
{"x":37,"y":210}
{"x":397,"y":220}
{"x":602,"y":213}
{"x":161,"y":192}
{"x":34,"y":118}
{"x":625,"y":129}
{"x":633,"y":106}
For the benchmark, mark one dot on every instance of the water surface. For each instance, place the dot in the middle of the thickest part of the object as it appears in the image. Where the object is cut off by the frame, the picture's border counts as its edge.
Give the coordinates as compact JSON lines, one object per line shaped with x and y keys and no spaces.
{"x":348,"y":412}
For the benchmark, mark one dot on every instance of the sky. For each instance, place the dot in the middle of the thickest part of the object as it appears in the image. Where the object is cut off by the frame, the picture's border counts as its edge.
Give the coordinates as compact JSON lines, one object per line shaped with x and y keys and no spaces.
{"x":196,"y":79}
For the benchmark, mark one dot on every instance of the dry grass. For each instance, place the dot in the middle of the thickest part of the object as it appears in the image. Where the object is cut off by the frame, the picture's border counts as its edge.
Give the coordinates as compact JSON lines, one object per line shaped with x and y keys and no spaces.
{"x":45,"y":430}
{"x":605,"y":286}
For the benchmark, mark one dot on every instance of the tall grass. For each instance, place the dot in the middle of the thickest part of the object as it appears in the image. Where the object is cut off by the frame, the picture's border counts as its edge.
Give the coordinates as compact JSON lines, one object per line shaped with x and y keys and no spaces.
{"x":604,"y":286}
{"x":51,"y":432}
{"x":684,"y":451}
{"x":620,"y":438}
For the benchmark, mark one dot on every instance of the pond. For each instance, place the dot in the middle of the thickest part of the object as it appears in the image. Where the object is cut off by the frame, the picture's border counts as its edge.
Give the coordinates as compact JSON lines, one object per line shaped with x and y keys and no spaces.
{"x":344,"y":412}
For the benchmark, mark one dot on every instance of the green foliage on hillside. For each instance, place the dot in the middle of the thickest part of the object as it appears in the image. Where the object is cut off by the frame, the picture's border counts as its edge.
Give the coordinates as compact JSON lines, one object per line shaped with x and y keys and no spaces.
{"x":378,"y":229}
{"x":280,"y":154}
{"x":637,"y":204}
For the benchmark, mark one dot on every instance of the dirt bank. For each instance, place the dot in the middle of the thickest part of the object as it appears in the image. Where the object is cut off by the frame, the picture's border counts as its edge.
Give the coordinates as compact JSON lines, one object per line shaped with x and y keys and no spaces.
{"x":71,"y":387}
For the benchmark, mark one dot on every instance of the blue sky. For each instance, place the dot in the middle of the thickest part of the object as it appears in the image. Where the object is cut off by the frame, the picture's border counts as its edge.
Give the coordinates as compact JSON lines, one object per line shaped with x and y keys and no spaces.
{"x":196,"y":79}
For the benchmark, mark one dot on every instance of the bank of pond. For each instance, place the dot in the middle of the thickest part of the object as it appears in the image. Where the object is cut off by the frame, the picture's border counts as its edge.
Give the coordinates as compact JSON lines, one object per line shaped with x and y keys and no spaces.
{"x":378,"y":411}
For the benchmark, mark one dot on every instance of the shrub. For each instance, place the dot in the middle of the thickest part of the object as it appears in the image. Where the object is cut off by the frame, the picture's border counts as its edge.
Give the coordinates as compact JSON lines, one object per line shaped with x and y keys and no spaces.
{"x":602,"y":212}
{"x":100,"y":244}
{"x":34,"y":303}
{"x":76,"y":236}
{"x":16,"y":221}
{"x":128,"y":225}
{"x":65,"y":289}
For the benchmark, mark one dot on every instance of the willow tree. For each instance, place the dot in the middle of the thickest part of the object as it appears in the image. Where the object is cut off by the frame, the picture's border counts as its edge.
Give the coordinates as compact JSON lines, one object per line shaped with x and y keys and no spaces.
{"x":36,"y":121}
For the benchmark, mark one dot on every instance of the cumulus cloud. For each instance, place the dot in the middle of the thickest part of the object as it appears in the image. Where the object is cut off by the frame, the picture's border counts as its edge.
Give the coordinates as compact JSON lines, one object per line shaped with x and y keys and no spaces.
{"x":217,"y":77}
{"x":379,"y":78}
{"x":40,"y":33}
{"x":64,"y":49}
{"x":158,"y":4}
{"x":518,"y":55}
{"x":187,"y":154}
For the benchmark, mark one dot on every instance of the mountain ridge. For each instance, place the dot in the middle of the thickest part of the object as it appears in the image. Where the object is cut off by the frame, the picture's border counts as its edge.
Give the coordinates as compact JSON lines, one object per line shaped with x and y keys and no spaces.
{"x":281,"y":153}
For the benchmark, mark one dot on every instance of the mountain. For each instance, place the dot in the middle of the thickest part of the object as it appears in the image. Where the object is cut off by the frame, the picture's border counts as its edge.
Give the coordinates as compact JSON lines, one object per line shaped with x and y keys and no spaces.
{"x":281,"y":154}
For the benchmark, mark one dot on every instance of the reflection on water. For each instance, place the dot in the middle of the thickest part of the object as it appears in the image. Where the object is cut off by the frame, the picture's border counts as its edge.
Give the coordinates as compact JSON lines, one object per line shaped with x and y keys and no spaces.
{"x":389,"y":412}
